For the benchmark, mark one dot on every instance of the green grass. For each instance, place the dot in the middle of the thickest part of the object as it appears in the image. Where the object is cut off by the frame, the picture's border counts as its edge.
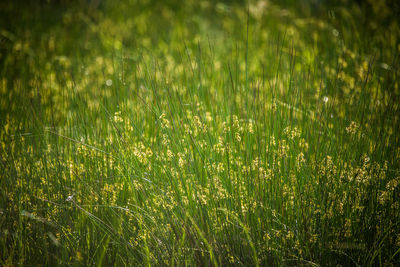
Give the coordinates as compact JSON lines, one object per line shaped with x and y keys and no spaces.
{"x":199,"y":133}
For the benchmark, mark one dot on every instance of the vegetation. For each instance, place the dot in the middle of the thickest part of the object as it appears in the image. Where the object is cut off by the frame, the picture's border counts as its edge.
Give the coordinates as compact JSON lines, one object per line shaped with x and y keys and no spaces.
{"x":204,"y":133}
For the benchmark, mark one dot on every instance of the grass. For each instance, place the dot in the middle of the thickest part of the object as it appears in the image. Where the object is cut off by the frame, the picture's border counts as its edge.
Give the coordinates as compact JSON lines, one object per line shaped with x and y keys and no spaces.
{"x":199,"y":133}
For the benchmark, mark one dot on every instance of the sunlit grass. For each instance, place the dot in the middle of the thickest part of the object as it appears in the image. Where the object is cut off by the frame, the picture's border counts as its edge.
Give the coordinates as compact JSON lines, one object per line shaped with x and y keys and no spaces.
{"x":199,"y":133}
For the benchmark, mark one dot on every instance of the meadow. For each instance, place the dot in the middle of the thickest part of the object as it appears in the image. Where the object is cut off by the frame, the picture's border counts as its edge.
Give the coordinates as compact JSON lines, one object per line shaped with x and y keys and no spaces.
{"x":199,"y":133}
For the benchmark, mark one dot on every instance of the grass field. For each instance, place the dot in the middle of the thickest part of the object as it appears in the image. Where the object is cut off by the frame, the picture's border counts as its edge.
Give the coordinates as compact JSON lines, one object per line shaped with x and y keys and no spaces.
{"x":199,"y":133}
